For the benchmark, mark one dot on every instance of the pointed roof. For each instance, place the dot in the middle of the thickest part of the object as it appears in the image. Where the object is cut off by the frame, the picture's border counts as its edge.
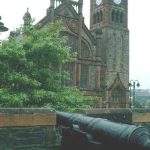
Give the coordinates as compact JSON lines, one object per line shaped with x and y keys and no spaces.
{"x":27,"y":17}
{"x":117,"y":83}
{"x":27,"y":14}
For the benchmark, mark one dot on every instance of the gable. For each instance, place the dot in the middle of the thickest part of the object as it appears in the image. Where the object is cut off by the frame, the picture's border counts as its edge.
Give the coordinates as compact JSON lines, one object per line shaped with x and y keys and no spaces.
{"x":117,"y":84}
{"x":70,"y":18}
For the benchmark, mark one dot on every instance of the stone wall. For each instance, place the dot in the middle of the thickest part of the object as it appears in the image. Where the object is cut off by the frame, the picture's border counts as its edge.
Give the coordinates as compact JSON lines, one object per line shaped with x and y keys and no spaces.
{"x":128,"y":116}
{"x":118,"y":115}
{"x":35,"y":129}
{"x":141,"y":117}
{"x":27,"y":129}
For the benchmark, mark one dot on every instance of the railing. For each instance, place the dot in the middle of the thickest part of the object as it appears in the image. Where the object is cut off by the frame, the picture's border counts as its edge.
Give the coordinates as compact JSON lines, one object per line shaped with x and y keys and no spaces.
{"x":81,"y":132}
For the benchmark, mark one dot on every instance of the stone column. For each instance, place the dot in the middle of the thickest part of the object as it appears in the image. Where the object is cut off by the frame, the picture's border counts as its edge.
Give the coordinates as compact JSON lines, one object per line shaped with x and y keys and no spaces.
{"x":98,"y":56}
{"x":75,"y":74}
{"x":79,"y":40}
{"x":78,"y":75}
{"x":80,"y":27}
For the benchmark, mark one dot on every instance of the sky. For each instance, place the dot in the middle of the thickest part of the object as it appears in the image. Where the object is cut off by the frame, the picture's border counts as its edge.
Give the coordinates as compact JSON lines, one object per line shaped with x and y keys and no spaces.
{"x":12,"y":12}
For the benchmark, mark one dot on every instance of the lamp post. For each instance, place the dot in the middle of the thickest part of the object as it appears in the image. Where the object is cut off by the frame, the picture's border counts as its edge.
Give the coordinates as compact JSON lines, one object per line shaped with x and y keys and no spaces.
{"x":134,"y":84}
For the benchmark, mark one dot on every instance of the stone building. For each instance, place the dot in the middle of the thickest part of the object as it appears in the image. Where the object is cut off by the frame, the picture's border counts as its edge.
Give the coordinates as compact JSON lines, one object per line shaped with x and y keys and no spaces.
{"x":102,"y":68}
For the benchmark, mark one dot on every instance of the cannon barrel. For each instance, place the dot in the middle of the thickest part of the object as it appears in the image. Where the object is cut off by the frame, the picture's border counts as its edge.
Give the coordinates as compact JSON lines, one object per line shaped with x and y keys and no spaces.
{"x":106,"y":131}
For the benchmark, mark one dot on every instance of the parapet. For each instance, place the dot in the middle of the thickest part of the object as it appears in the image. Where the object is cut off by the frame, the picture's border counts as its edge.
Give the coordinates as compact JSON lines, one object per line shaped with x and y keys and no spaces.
{"x":27,"y":129}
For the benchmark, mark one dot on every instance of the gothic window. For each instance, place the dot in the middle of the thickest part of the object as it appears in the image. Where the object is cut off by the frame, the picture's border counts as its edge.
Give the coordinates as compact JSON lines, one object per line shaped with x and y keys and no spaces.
{"x":94,"y":18}
{"x":84,"y":76}
{"x":84,"y":50}
{"x":121,"y":17}
{"x":114,"y":48}
{"x":122,"y":52}
{"x":101,"y":16}
{"x":116,"y":95}
{"x":113,"y":16}
{"x":72,"y":42}
{"x":117,"y":16}
{"x":98,"y":18}
{"x":69,"y":68}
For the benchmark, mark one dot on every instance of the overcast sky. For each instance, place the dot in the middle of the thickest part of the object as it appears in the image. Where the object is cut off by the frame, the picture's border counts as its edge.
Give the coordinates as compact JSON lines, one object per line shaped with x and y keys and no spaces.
{"x":12,"y":12}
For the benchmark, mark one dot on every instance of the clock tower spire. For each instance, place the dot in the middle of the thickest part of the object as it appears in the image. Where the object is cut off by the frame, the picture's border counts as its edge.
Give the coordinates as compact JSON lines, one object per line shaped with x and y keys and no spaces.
{"x":111,"y":17}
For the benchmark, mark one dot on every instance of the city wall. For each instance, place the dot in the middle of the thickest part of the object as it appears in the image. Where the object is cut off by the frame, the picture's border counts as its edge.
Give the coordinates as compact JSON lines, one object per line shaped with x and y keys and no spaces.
{"x":129,"y":116}
{"x":25,"y":129}
{"x":35,"y":129}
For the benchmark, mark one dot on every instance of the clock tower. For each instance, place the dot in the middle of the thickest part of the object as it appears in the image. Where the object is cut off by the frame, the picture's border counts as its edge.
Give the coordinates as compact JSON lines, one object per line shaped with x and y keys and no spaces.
{"x":110,"y":17}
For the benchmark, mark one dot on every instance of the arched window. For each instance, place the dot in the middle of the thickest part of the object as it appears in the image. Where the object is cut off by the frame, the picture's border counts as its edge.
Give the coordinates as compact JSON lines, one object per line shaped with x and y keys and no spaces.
{"x":113,"y":16}
{"x":122,"y":52}
{"x":98,"y":18}
{"x":84,"y":77}
{"x":69,"y":68}
{"x":117,"y":16}
{"x":69,"y":72}
{"x":114,"y":41}
{"x":84,"y":50}
{"x":116,"y":95}
{"x":72,"y":42}
{"x":94,"y":18}
{"x":101,"y":16}
{"x":121,"y":17}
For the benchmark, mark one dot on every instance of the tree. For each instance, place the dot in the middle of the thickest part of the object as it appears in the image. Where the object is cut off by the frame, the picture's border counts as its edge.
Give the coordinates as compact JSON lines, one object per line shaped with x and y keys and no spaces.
{"x":30,"y":74}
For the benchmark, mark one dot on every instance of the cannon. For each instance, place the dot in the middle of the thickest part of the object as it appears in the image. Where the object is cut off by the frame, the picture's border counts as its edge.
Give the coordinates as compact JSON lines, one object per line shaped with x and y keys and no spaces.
{"x":81,"y":132}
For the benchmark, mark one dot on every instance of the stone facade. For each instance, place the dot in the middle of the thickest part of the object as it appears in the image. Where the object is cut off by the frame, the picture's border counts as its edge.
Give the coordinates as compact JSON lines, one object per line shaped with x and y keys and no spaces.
{"x":102,"y":69}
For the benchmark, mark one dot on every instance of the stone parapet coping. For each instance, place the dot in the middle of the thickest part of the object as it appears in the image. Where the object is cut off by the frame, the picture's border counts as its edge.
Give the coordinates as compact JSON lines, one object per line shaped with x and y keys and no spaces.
{"x":104,"y":110}
{"x":141,"y":110}
{"x":137,"y":115}
{"x":26,"y":110}
{"x":13,"y":117}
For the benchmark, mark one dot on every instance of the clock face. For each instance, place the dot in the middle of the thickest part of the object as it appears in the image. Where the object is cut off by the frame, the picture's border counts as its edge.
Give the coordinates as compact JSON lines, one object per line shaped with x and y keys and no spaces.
{"x":98,"y":2}
{"x":117,"y":1}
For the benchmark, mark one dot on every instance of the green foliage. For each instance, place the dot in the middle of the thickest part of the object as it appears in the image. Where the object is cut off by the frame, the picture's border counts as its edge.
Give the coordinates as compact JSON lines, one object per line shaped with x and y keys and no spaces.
{"x":68,"y":99}
{"x":30,"y":74}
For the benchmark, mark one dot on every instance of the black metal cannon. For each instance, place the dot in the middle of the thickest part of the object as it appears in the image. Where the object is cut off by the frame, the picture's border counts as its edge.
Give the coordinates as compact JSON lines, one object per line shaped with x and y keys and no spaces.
{"x":87,"y":133}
